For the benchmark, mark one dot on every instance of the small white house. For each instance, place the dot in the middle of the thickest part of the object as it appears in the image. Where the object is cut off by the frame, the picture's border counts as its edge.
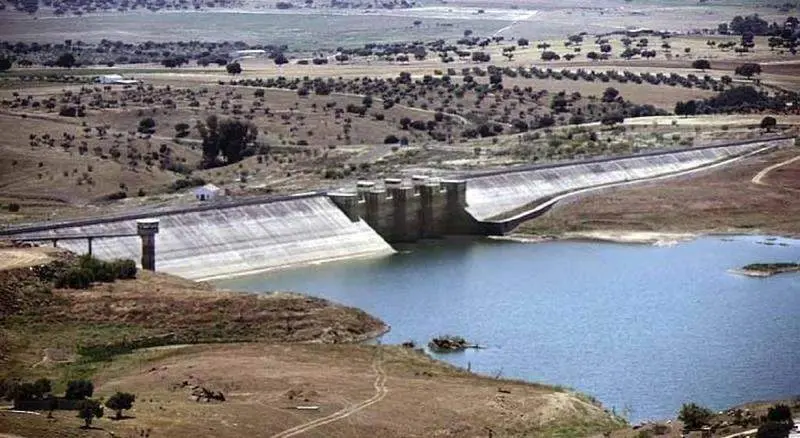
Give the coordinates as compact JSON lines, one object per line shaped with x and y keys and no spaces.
{"x":207,"y":193}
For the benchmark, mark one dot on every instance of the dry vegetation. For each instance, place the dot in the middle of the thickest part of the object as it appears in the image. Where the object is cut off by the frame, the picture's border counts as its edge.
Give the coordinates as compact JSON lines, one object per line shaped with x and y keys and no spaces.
{"x":425,"y":398}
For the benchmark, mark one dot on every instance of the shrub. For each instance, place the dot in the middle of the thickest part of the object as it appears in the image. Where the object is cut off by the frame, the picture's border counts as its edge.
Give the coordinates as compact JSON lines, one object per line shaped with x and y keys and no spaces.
{"x":694,"y":416}
{"x":125,"y":269}
{"x":391,"y":139}
{"x":13,"y":207}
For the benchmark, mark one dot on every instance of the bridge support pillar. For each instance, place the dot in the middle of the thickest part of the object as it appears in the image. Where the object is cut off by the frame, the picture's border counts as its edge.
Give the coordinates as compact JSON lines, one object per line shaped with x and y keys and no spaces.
{"x":147,"y":230}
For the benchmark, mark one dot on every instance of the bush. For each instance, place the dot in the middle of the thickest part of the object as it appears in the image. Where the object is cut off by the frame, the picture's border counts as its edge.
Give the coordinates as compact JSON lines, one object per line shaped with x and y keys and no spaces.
{"x":90,"y":270}
{"x":13,"y":207}
{"x":779,"y":412}
{"x":694,"y":416}
{"x":125,"y":269}
{"x":391,"y":139}
{"x":768,"y":123}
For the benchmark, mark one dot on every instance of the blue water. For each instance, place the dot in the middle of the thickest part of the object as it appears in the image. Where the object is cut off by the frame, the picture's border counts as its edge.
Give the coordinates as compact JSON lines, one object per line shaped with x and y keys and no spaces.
{"x":642,"y":328}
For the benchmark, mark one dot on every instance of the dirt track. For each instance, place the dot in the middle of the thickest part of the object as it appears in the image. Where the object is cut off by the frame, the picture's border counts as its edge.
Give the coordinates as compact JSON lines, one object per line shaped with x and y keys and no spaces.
{"x":13,"y":258}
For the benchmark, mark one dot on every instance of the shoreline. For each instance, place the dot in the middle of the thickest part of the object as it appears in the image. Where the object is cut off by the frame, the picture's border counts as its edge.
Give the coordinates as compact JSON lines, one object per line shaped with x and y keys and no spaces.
{"x":634,"y":237}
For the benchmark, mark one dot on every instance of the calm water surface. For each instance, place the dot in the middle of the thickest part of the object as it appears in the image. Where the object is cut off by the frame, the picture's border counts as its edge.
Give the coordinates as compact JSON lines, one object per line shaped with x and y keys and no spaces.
{"x":642,"y":328}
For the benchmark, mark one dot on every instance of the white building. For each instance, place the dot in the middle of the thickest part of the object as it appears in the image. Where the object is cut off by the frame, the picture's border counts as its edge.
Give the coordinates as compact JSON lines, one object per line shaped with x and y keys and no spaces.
{"x":115,"y":79}
{"x":207,"y":193}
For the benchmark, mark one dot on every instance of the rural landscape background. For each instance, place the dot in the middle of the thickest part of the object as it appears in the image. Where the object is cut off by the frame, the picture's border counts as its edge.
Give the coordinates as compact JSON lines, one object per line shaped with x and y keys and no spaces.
{"x":120,"y":106}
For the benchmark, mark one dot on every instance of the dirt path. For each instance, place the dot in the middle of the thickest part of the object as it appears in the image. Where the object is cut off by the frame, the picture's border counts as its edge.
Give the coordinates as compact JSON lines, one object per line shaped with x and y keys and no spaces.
{"x":14,"y":258}
{"x":380,"y":394}
{"x":759,"y":178}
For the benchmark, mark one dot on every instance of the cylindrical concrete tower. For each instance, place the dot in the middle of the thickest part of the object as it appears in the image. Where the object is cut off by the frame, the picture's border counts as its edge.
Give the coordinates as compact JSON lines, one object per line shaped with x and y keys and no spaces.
{"x":147,"y":230}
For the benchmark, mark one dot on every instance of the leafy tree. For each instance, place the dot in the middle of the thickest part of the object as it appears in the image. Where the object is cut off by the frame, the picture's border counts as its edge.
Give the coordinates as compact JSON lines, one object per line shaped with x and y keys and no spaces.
{"x":5,"y":63}
{"x":610,"y":94}
{"x":701,"y":64}
{"x":230,"y":138}
{"x":234,"y":68}
{"x":147,"y":126}
{"x":42,"y":387}
{"x":779,"y":412}
{"x":612,"y":119}
{"x":120,"y":401}
{"x":280,"y":59}
{"x":694,"y":416}
{"x":66,"y":60}
{"x":774,"y":429}
{"x":548,"y":55}
{"x":89,"y":410}
{"x":768,"y":123}
{"x":79,"y":389}
{"x":523,"y":42}
{"x":688,"y":108}
{"x":748,"y":70}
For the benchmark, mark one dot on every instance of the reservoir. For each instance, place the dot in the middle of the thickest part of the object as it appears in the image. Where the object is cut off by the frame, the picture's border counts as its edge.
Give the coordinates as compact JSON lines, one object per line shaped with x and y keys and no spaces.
{"x":642,"y":328}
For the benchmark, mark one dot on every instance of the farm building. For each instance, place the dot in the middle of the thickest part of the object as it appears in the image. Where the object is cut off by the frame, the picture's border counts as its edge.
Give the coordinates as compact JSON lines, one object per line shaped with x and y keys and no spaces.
{"x":115,"y":79}
{"x":245,"y":54}
{"x":207,"y":193}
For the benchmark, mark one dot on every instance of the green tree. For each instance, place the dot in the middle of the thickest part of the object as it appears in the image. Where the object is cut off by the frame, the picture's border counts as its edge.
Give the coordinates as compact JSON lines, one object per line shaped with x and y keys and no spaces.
{"x":234,"y":68}
{"x":774,"y":429}
{"x":79,"y":389}
{"x":147,"y":126}
{"x":768,"y":123}
{"x":89,"y":410}
{"x":42,"y":387}
{"x":119,"y":402}
{"x":779,"y":412}
{"x":66,"y":60}
{"x":694,"y":416}
{"x":230,"y":138}
{"x":748,"y":70}
{"x":701,"y":64}
{"x":5,"y":63}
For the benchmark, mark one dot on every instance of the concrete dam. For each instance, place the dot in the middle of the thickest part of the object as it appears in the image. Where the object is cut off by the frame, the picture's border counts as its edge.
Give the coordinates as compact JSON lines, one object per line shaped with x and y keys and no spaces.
{"x":223,"y":239}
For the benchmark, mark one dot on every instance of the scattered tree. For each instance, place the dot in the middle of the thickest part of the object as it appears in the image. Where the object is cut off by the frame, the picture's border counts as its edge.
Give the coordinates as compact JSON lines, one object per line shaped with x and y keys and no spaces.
{"x":701,"y":64}
{"x":232,"y":139}
{"x":5,"y":63}
{"x":79,"y":389}
{"x":234,"y":68}
{"x":694,"y":416}
{"x":768,"y":123}
{"x":89,"y":410}
{"x":748,"y":70}
{"x":66,"y":60}
{"x":119,"y":402}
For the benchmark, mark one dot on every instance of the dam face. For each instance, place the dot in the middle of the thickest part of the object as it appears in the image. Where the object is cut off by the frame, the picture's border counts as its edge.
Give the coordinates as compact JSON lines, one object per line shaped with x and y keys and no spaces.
{"x":239,"y":239}
{"x":493,"y":196}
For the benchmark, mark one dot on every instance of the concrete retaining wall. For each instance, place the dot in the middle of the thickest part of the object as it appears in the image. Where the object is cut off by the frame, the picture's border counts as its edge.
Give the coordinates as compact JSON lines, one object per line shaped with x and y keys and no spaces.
{"x":237,"y":239}
{"x":492,"y":196}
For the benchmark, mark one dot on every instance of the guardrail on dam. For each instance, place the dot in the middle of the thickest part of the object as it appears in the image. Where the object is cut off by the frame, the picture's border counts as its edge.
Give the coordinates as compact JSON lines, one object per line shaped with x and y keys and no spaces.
{"x":249,"y":235}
